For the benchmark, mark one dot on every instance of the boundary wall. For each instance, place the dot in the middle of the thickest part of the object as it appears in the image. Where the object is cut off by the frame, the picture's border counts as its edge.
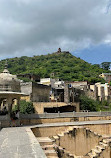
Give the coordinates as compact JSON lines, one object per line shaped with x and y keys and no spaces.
{"x":33,"y":119}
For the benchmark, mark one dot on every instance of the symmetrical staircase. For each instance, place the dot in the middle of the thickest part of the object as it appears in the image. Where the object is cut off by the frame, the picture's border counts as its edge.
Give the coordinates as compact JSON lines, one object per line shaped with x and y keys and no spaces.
{"x":102,"y":145}
{"x":52,"y":148}
{"x":94,"y":153}
{"x":48,"y":146}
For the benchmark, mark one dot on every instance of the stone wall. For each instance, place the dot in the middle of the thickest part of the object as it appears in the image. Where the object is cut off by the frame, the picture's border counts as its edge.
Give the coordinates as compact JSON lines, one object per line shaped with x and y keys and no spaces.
{"x":104,"y":129}
{"x":48,"y":131}
{"x":37,"y":120}
{"x":78,"y":140}
{"x":106,"y":153}
{"x":26,"y":88}
{"x":79,"y":84}
{"x":33,"y":121}
{"x":26,"y":98}
{"x":92,"y":93}
{"x":39,"y":106}
{"x":35,"y":92}
{"x":40,"y":93}
{"x":66,"y":93}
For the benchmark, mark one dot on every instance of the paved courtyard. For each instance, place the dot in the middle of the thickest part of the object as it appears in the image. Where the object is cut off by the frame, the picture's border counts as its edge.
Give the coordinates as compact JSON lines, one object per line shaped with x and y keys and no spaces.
{"x":19,"y":142}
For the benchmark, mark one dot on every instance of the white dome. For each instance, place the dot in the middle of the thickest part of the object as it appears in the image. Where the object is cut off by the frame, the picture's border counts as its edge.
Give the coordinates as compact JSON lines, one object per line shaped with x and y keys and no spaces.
{"x":9,"y":82}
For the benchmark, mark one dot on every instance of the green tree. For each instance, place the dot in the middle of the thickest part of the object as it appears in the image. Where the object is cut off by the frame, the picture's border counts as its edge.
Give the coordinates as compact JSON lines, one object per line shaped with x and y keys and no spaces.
{"x":87,"y":103}
{"x":25,"y":107}
{"x":105,"y":65}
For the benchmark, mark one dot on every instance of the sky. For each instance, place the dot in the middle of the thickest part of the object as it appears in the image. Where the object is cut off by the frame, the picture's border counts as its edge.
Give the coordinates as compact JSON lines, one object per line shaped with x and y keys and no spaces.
{"x":35,"y":27}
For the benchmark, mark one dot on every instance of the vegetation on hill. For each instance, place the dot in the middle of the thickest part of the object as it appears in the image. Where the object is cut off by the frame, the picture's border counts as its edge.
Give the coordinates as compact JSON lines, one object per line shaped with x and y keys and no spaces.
{"x":64,"y":65}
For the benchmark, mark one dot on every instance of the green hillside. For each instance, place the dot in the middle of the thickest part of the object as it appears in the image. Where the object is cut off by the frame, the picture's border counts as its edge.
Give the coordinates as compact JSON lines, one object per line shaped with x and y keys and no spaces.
{"x":64,"y":65}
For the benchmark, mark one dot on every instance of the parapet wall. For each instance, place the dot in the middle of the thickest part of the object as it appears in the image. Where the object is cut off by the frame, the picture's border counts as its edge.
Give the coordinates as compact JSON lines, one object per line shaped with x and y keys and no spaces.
{"x":32,"y":119}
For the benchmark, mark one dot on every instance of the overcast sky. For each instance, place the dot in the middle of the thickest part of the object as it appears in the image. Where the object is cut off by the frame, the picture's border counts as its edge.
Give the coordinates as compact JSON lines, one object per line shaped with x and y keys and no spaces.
{"x":35,"y":27}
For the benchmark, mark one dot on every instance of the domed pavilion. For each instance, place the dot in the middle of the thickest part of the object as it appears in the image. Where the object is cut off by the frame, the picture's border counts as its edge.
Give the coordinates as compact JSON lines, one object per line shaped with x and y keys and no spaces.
{"x":9,"y":91}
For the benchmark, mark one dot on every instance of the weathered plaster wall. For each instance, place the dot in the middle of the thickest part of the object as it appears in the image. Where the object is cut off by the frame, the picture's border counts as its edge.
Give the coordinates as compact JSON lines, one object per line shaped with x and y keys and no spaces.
{"x":48,"y":131}
{"x":40,"y":93}
{"x":35,"y":92}
{"x":104,"y":129}
{"x":39,"y":106}
{"x":106,"y":153}
{"x":33,"y":121}
{"x":30,"y":121}
{"x":26,"y":88}
{"x":78,"y":141}
{"x":26,"y":98}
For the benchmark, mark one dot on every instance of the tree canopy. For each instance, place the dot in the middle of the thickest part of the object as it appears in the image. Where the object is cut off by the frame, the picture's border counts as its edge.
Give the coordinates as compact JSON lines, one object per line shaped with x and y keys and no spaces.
{"x":106,"y":65}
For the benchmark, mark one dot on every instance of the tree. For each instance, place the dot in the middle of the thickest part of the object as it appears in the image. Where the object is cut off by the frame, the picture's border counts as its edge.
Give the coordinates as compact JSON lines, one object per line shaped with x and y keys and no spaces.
{"x":25,"y":107}
{"x":87,"y":103}
{"x":105,"y":65}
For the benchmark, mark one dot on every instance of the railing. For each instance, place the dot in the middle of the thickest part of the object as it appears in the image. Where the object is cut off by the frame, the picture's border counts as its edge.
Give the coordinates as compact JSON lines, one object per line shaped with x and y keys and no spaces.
{"x":58,"y":115}
{"x":67,"y":114}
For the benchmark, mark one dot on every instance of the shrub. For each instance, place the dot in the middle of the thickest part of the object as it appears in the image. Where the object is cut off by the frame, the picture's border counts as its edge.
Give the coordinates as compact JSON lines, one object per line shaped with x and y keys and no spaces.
{"x":25,"y":107}
{"x":87,"y":103}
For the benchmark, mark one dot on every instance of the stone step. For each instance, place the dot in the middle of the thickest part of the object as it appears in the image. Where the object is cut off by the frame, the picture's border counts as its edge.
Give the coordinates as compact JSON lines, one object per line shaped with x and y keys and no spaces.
{"x":61,"y":135}
{"x":50,"y":152}
{"x":98,"y":147}
{"x":48,"y":147}
{"x":44,"y":141}
{"x":106,"y":141}
{"x":70,"y":128}
{"x":103,"y":144}
{"x":95,"y":151}
{"x":106,"y":136}
{"x":55,"y":137}
{"x":52,"y":157}
{"x":92,"y":155}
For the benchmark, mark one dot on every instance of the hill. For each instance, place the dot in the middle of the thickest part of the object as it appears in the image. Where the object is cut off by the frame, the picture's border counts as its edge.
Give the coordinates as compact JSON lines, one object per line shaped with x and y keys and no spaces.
{"x":64,"y":65}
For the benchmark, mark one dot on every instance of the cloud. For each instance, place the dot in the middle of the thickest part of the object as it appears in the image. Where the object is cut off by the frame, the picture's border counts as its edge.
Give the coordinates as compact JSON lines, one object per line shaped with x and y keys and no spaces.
{"x":33,"y":27}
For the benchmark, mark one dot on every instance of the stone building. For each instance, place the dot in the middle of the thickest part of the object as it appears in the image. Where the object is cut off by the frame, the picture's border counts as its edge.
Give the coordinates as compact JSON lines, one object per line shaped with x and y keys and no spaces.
{"x":9,"y":91}
{"x":35,"y":92}
{"x":46,"y":81}
{"x":51,"y":98}
{"x":78,"y":84}
{"x":106,"y":76}
{"x":71,"y":97}
{"x":96,"y":91}
{"x":30,"y":76}
{"x":57,"y":90}
{"x":101,"y":91}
